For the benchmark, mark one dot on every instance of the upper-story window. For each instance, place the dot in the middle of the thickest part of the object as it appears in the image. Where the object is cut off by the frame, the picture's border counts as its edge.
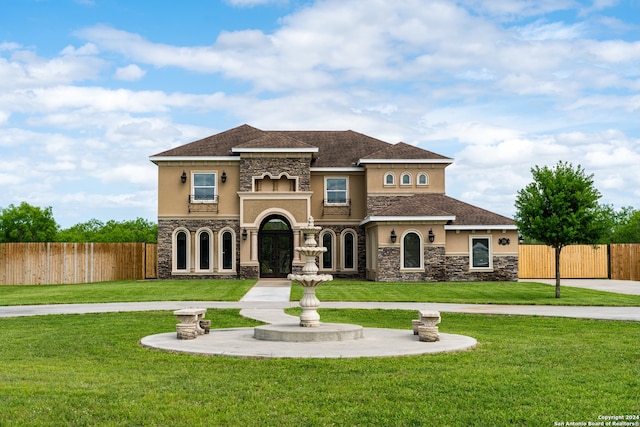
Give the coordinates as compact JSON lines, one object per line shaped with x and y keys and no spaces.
{"x":389,"y":179}
{"x":204,"y":187}
{"x":423,"y":179}
{"x":405,"y":179}
{"x":336,"y":191}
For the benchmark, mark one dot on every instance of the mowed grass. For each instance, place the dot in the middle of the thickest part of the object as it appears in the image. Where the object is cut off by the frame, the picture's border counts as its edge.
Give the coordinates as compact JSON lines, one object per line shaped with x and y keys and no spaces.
{"x":89,"y":370}
{"x":529,"y":293}
{"x":337,"y":290}
{"x":126,"y":291}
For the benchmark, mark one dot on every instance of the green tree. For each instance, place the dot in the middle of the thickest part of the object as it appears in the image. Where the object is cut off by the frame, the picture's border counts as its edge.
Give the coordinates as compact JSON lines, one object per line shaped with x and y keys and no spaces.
{"x":560,"y":207}
{"x":26,"y":223}
{"x":626,"y":228}
{"x":138,"y":230}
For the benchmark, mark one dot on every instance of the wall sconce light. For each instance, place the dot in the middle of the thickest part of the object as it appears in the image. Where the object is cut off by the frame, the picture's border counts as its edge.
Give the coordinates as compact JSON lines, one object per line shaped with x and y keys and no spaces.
{"x":223,"y":177}
{"x":521,"y":239}
{"x":183,"y":177}
{"x":432,"y":236}
{"x":393,"y":236}
{"x":244,"y":234}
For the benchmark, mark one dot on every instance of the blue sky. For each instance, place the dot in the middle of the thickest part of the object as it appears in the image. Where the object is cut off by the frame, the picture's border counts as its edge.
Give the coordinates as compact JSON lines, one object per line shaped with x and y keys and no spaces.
{"x":89,"y":89}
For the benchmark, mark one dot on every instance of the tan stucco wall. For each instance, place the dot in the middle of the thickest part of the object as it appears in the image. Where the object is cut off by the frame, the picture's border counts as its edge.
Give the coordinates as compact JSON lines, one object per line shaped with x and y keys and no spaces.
{"x":173,"y":195}
{"x":253,"y":210}
{"x":376,"y":173}
{"x":458,"y":241}
{"x":356,"y":192}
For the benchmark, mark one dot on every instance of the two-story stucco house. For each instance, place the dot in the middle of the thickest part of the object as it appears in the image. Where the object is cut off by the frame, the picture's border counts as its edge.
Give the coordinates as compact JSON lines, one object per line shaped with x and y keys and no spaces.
{"x":231,"y":206}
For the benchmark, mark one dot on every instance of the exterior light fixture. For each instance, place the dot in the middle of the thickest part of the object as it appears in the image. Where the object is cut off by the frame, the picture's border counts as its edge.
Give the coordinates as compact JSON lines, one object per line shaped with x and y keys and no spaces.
{"x":244,"y":234}
{"x":183,"y":177}
{"x":223,"y":177}
{"x":432,"y":236}
{"x":393,"y":236}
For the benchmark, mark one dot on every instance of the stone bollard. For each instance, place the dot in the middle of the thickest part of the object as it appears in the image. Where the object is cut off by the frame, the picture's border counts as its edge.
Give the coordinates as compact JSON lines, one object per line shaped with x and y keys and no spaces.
{"x":415,"y":324}
{"x":205,"y":325}
{"x":186,"y":331}
{"x":428,"y":333}
{"x":429,"y":318}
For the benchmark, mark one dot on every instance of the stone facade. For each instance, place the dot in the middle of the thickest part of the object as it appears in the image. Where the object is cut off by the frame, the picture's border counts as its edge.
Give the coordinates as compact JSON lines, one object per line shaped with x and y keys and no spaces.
{"x":166,"y":228}
{"x":505,"y":268}
{"x":258,"y":166}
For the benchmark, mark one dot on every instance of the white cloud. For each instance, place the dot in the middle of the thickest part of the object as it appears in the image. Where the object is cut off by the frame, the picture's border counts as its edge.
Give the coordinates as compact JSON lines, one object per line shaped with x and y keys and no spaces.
{"x":129,"y":73}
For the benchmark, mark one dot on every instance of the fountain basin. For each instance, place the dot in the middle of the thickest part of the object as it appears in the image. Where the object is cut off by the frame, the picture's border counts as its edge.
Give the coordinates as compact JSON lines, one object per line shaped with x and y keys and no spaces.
{"x":292,"y":332}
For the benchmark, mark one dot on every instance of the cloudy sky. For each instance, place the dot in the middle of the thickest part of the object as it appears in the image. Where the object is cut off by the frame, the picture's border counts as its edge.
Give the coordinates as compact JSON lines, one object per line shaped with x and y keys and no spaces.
{"x":89,"y":89}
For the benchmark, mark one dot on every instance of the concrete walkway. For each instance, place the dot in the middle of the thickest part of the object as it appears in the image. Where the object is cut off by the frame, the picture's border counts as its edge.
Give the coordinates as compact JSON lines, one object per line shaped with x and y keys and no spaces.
{"x":267,"y":300}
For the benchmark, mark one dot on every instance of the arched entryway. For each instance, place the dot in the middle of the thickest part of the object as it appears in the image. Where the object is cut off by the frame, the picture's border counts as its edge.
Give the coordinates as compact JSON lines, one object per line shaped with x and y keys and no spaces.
{"x":275,"y":243}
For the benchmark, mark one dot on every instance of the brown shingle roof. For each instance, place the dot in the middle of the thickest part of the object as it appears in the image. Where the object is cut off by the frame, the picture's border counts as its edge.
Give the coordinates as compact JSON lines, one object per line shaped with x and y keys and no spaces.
{"x":425,"y":205}
{"x":274,"y":140}
{"x":335,"y":148}
{"x":403,"y":151}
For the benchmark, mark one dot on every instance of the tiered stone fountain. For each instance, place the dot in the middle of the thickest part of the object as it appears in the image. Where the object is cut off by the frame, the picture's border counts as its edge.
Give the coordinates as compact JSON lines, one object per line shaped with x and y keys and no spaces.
{"x":309,"y":327}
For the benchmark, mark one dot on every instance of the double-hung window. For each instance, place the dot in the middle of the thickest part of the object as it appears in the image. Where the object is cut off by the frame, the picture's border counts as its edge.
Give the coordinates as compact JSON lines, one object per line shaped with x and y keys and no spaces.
{"x":336,"y":191}
{"x":204,"y":187}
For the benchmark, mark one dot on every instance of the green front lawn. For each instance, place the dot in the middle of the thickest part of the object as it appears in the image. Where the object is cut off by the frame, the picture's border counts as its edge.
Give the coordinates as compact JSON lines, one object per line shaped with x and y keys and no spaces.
{"x":126,"y":291}
{"x":528,"y":293}
{"x":89,"y":370}
{"x":337,"y":290}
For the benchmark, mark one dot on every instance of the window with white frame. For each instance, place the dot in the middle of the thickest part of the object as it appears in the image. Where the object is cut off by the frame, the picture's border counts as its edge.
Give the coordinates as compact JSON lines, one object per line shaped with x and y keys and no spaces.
{"x":405,"y":179}
{"x":204,"y":187}
{"x":204,"y":250}
{"x":423,"y":179}
{"x":480,"y":252}
{"x":227,"y":251}
{"x":180,"y":252}
{"x":327,"y":257}
{"x":411,"y":250}
{"x":348,"y":250}
{"x":336,"y":191}
{"x":389,"y":179}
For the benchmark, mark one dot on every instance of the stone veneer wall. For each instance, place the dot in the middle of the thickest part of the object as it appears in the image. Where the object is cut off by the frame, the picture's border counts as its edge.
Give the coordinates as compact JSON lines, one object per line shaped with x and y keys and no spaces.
{"x":440,"y":267}
{"x":166,"y":228}
{"x":505,"y":268}
{"x":361,"y":251}
{"x":257,"y":166}
{"x":389,"y":266}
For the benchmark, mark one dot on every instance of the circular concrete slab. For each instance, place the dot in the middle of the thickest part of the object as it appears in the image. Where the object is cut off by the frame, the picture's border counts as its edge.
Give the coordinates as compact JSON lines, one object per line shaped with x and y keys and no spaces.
{"x":240,"y":342}
{"x":292,"y":332}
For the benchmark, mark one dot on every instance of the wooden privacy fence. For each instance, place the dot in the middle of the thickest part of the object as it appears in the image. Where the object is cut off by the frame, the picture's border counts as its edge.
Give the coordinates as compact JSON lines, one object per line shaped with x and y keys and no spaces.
{"x":59,"y":263}
{"x":615,"y":261}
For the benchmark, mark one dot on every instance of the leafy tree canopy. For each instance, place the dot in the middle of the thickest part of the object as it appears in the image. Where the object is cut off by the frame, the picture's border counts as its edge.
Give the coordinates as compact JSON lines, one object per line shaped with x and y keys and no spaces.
{"x":26,"y":223}
{"x":560,"y":207}
{"x":626,"y":226}
{"x":138,"y":230}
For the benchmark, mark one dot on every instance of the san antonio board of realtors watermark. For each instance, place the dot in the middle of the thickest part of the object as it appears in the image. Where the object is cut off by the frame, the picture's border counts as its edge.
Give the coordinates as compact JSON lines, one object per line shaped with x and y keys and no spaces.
{"x":604,"y":421}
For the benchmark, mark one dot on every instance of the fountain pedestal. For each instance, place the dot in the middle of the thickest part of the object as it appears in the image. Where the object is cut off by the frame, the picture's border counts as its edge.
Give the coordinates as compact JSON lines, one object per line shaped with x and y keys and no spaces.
{"x":309,"y":329}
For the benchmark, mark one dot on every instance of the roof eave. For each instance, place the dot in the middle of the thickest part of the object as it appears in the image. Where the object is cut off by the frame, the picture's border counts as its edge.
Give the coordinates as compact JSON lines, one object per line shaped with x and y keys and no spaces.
{"x":374,"y":218}
{"x":481,"y":227}
{"x":155,"y":159}
{"x":403,"y":161}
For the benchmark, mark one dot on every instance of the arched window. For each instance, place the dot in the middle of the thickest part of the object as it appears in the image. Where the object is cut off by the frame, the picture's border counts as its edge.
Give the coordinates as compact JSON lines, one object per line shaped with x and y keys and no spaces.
{"x":327,"y":257}
{"x":180,"y":250}
{"x":228,"y":254}
{"x":389,"y":179}
{"x":349,"y":250}
{"x":423,"y":179}
{"x":204,"y":250}
{"x":411,"y":251}
{"x":405,"y":179}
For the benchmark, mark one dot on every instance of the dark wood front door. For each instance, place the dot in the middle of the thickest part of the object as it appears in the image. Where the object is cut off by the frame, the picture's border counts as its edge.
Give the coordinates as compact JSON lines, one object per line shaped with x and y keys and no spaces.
{"x":275,"y":248}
